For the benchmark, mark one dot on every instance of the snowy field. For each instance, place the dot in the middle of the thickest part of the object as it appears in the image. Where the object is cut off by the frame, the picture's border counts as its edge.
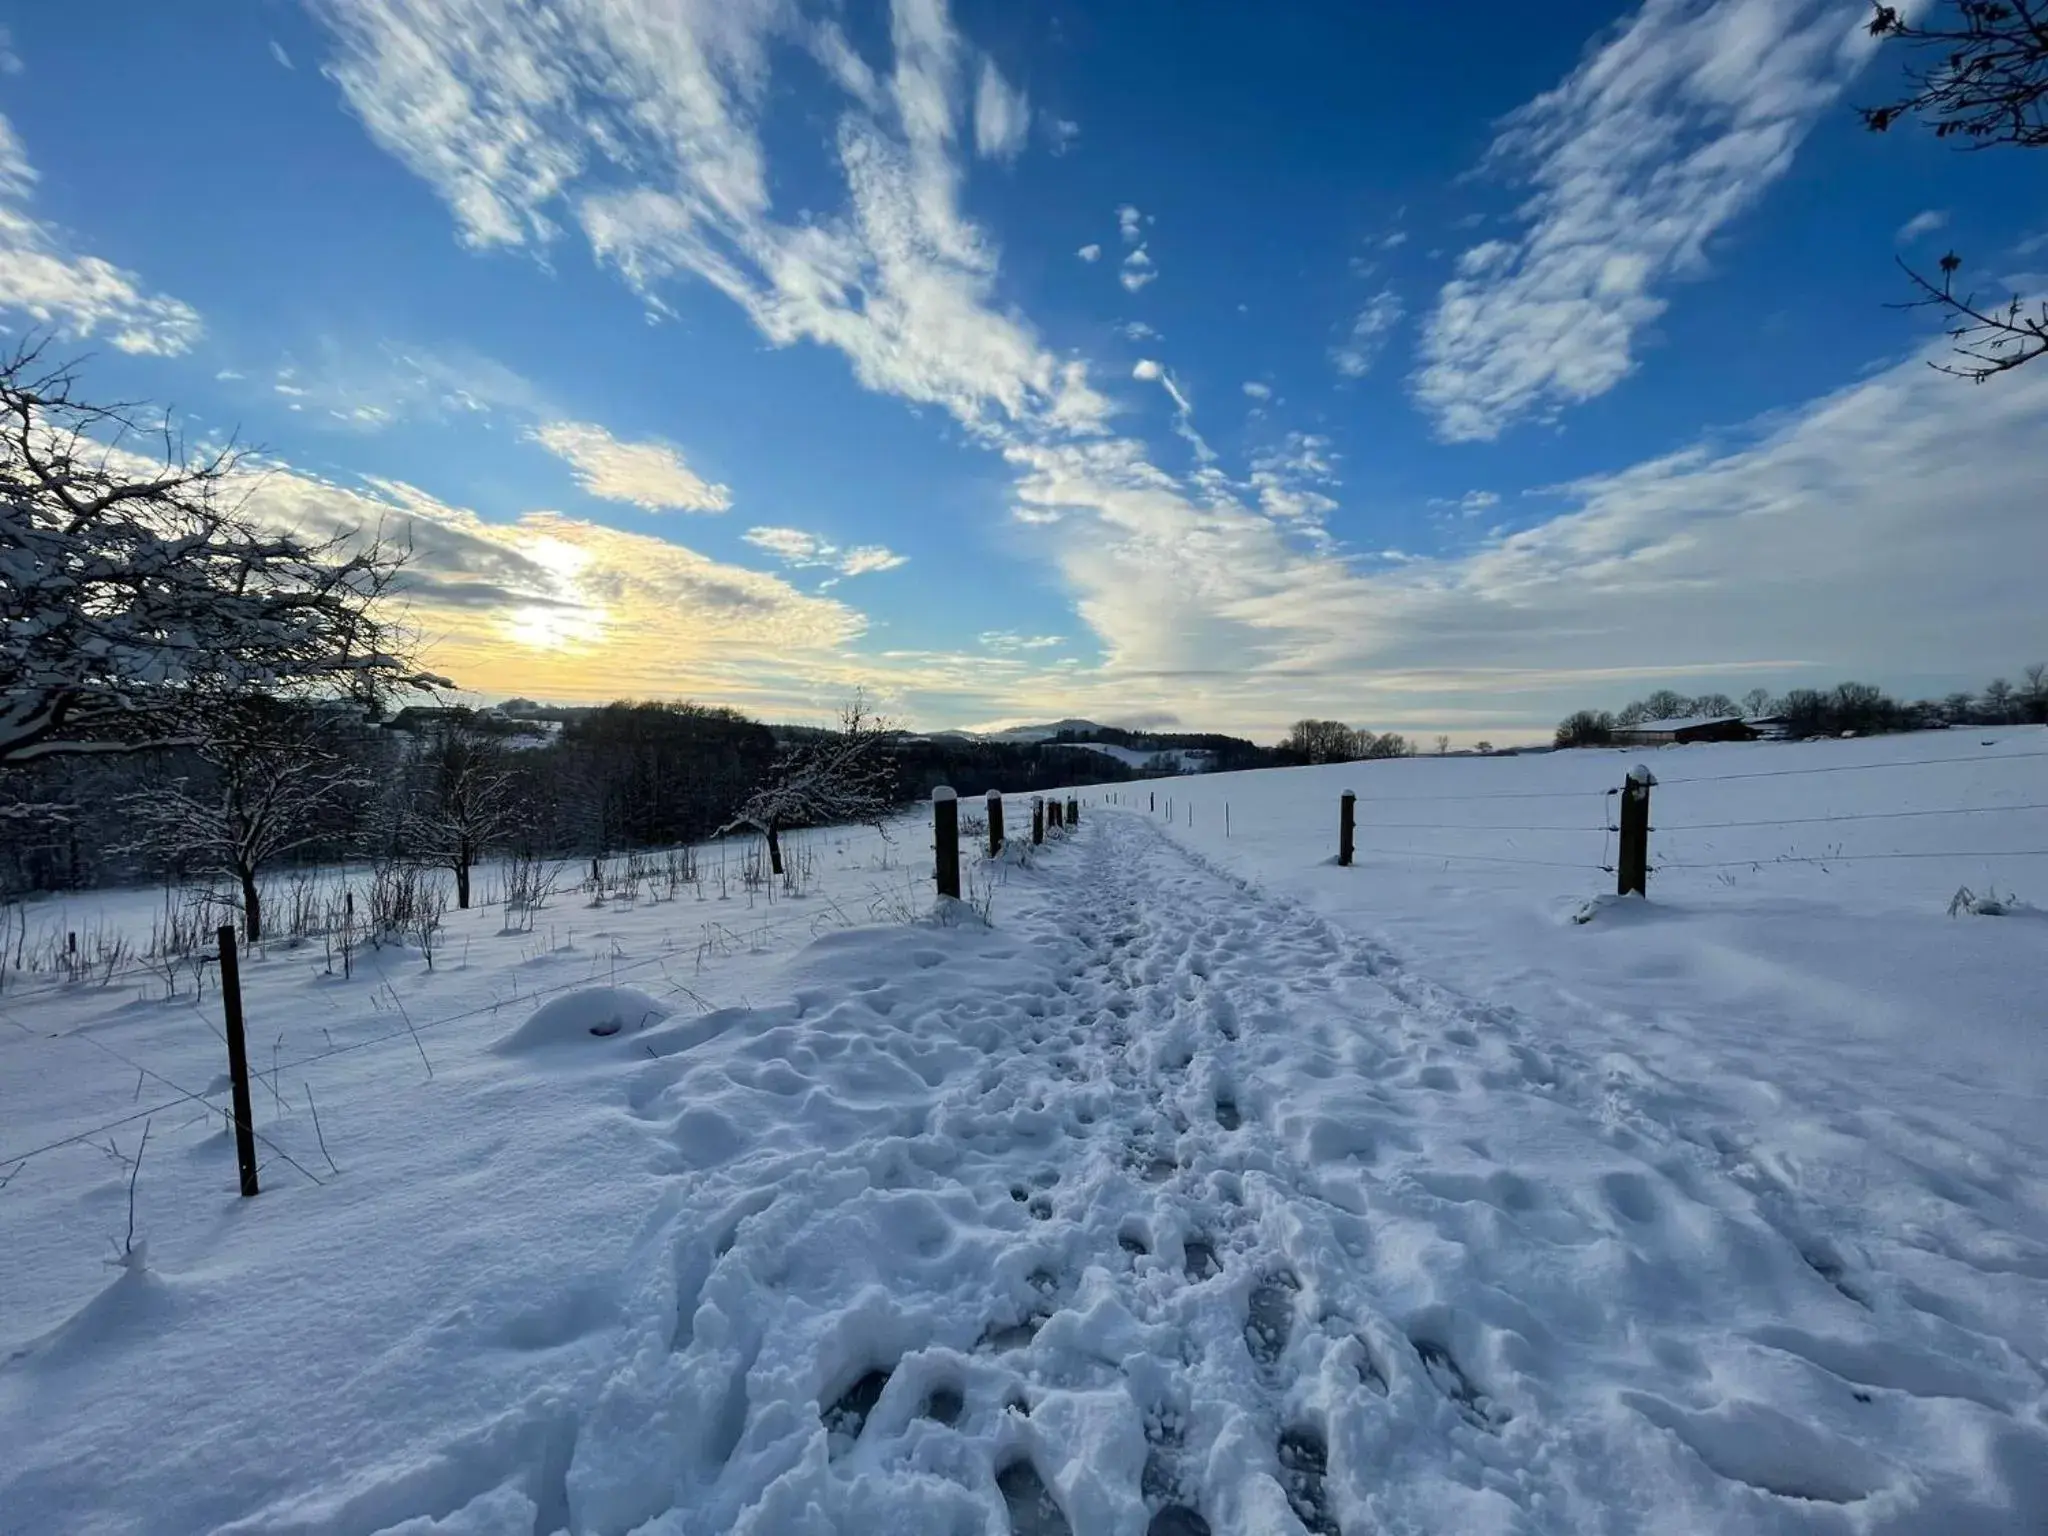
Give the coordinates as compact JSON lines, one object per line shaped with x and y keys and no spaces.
{"x":1209,"y":1186}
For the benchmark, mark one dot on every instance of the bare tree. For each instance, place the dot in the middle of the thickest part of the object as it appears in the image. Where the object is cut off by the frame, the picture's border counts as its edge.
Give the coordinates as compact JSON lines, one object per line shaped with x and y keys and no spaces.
{"x":135,"y":593}
{"x":275,"y":771}
{"x":1443,"y":745}
{"x":838,"y":777}
{"x":1979,"y":73}
{"x":461,"y":803}
{"x":1756,"y":703}
{"x":1322,"y":741}
{"x":2034,"y":693}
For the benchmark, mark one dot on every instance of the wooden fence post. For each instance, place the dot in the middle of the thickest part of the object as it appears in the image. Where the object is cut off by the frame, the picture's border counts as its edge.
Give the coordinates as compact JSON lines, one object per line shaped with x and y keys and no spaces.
{"x":1632,"y":869}
{"x":1347,"y":818}
{"x":1037,"y":820}
{"x":1052,"y":812}
{"x":946,"y":841}
{"x":1073,"y":812}
{"x":995,"y":822}
{"x":1152,"y":800}
{"x":238,"y":1058}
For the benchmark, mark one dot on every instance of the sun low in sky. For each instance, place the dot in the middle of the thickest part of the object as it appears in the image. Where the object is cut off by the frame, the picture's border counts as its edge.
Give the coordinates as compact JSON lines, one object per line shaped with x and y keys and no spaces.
{"x":1153,"y":363}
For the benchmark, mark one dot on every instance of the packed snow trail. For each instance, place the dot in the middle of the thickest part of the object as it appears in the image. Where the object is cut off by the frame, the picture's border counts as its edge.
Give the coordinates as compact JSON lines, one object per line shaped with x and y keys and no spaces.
{"x":1165,"y":1206}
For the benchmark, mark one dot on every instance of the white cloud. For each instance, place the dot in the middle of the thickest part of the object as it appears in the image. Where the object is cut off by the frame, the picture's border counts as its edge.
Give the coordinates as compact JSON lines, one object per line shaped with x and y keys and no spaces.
{"x":42,"y":277}
{"x":636,"y":118}
{"x":1369,"y":334}
{"x":1009,"y":640}
{"x":1063,"y":131}
{"x":1475,"y":502}
{"x":1002,"y":116}
{"x":1394,"y":241}
{"x":1925,"y":223}
{"x":277,"y":52}
{"x":555,"y":606}
{"x":1664,"y":134}
{"x":1089,"y":252}
{"x":1138,"y":270}
{"x":1138,"y":330}
{"x":795,"y":547}
{"x":1130,"y":223}
{"x":1257,"y":390}
{"x":1833,"y":541}
{"x":1145,"y":369}
{"x":650,"y":475}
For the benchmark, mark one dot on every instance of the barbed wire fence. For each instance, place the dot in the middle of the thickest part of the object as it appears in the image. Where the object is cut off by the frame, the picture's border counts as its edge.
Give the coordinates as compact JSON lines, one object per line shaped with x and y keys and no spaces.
{"x":752,"y":922}
{"x":1558,"y":824}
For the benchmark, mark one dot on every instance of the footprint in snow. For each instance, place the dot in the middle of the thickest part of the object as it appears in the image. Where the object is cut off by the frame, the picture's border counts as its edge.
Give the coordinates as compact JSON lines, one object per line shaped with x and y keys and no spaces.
{"x":1199,"y":1259}
{"x":1304,"y":1468}
{"x":1030,"y":1502}
{"x":945,"y":1405}
{"x":847,"y":1417}
{"x":1269,"y":1318}
{"x":1451,"y":1380}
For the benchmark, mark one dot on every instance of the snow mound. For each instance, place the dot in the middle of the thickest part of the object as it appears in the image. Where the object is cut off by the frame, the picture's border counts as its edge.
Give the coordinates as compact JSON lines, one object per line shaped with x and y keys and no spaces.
{"x":587,"y":1013}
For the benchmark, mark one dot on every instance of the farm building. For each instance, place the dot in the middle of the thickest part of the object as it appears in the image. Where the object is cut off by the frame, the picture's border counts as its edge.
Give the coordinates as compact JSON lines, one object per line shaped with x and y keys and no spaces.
{"x":1664,"y":733}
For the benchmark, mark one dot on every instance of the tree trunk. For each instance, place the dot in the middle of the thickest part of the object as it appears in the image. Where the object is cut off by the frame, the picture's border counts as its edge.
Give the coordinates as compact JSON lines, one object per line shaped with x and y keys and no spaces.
{"x":774,"y":850}
{"x":462,"y":885}
{"x":252,"y":909}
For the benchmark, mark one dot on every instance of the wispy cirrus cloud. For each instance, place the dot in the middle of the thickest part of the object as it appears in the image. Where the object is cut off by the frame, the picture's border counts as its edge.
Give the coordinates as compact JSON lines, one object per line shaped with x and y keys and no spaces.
{"x":795,"y":547}
{"x":1002,"y":116}
{"x":1923,"y":223}
{"x":636,"y":123}
{"x":1664,"y":134}
{"x":1008,"y":640}
{"x":45,"y":278}
{"x":1369,"y":334}
{"x":649,"y":475}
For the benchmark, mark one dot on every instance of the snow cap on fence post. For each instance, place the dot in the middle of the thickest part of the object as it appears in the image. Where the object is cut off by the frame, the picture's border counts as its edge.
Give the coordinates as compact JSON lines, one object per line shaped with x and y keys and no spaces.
{"x":995,"y":822}
{"x":1641,"y":775}
{"x":946,"y":841}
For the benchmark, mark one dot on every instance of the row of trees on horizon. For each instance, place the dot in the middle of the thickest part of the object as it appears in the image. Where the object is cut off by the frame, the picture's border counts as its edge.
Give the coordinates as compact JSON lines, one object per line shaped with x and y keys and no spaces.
{"x":1804,"y":712}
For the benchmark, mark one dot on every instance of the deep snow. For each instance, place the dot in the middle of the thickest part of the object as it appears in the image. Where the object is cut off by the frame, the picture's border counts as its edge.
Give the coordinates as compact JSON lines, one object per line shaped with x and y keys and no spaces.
{"x":1211,"y":1178}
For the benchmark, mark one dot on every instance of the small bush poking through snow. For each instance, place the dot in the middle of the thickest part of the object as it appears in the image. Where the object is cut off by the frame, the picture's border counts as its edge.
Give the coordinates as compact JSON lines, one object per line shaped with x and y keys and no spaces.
{"x":1990,"y":904}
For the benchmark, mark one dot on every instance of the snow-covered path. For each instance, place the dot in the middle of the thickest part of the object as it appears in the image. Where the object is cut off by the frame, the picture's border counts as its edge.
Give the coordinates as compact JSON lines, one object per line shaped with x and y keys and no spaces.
{"x":1164,"y":1205}
{"x":1168,"y":1196}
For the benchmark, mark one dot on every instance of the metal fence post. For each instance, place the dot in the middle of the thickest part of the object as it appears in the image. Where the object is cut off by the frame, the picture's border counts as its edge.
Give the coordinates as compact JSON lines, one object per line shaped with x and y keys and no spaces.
{"x":1632,"y":869}
{"x":1346,"y":826}
{"x":946,"y":841}
{"x":238,"y":1058}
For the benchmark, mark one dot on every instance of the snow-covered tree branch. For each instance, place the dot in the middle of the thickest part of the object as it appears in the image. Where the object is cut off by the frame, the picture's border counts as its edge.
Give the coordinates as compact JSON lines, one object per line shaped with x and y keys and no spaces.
{"x":135,"y":593}
{"x":843,"y":776}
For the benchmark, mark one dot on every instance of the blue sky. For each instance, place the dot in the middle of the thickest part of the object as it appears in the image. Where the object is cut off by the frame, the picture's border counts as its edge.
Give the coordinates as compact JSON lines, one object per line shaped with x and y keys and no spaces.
{"x":1155,"y":362}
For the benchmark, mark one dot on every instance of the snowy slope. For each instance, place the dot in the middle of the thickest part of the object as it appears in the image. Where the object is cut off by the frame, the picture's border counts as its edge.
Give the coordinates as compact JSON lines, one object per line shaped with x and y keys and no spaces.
{"x":1211,"y":1179}
{"x":1167,"y":760}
